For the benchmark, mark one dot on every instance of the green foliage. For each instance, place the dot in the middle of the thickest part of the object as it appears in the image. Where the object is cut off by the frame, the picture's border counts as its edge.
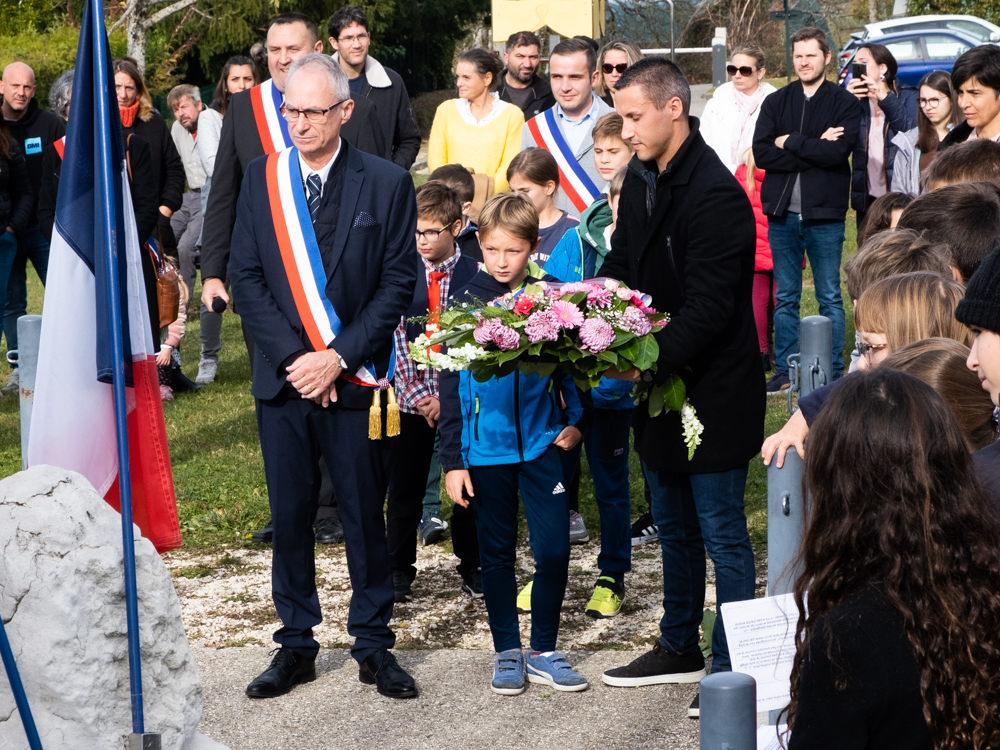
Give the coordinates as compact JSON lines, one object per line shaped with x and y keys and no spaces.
{"x":985,"y":9}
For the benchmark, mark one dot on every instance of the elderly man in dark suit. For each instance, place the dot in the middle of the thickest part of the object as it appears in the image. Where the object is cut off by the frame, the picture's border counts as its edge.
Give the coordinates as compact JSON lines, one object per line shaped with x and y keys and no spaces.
{"x":322,"y":264}
{"x":686,"y":235}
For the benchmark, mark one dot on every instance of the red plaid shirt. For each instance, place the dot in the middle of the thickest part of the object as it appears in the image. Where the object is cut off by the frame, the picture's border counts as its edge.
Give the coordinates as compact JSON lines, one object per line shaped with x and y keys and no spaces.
{"x":413,"y":385}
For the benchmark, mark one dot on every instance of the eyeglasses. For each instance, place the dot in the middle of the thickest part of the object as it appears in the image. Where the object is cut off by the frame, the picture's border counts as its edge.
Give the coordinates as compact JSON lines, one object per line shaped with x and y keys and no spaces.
{"x":430,"y":235}
{"x":352,"y":39}
{"x":743,"y":70}
{"x":314,"y":116}
{"x":608,"y":68}
{"x":929,"y":103}
{"x":865,"y":350}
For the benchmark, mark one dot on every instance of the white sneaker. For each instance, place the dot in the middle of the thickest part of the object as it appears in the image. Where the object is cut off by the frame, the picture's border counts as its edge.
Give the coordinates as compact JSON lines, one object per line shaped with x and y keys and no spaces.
{"x":207,"y":369}
{"x":13,"y":382}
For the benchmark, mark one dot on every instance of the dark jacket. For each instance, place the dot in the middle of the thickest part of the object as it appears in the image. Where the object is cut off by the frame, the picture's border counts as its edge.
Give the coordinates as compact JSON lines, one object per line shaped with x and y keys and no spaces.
{"x":34,"y":132}
{"x":145,"y":205}
{"x":167,"y":167}
{"x":364,"y":131}
{"x":369,"y":267}
{"x":900,"y":115}
{"x":689,"y":243}
{"x":823,"y":165}
{"x":463,"y":272}
{"x":959,"y":134}
{"x":15,"y":191}
{"x":540,"y":100}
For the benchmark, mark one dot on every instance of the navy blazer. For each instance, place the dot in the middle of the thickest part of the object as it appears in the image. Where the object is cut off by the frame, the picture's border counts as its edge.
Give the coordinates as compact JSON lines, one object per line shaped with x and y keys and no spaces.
{"x":371,"y":280}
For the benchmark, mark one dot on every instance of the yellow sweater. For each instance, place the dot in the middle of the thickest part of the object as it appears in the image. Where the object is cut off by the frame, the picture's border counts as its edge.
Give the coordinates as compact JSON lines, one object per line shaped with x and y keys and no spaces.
{"x":488,"y":149}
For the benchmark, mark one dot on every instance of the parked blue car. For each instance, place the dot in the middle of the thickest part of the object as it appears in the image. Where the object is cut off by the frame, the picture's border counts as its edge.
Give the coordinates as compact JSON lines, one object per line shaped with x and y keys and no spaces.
{"x":918,"y":53}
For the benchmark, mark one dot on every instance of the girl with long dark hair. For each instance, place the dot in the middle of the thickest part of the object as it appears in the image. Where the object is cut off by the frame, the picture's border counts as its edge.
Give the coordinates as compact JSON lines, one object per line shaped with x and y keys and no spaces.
{"x":900,"y":644}
{"x":916,"y":148}
{"x":238,"y":74}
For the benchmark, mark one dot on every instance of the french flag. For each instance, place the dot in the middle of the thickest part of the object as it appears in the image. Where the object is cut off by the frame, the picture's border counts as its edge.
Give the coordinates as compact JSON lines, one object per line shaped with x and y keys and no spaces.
{"x":73,"y":416}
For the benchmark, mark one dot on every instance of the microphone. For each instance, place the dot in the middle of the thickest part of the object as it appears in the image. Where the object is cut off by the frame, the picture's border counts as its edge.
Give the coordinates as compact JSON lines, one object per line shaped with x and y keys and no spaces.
{"x":218,"y":305}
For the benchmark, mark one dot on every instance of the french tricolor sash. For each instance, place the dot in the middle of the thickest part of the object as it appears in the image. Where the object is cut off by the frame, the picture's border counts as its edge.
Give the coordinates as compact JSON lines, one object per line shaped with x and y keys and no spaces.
{"x":573,"y":179}
{"x":304,"y":265}
{"x":272,"y":127}
{"x":60,"y":146}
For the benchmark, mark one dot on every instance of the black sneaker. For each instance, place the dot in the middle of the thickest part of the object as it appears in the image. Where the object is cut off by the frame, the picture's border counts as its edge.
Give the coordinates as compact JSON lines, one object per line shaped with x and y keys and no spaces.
{"x":472,"y":583}
{"x":644,"y":530}
{"x":263,"y":536}
{"x":401,"y":586}
{"x":656,"y":667}
{"x":694,"y":710}
{"x":778,"y":384}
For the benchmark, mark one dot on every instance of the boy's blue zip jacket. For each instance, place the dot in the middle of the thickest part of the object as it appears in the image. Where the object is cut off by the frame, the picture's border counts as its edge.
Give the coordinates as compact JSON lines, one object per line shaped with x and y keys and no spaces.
{"x":505,"y":420}
{"x":578,"y":256}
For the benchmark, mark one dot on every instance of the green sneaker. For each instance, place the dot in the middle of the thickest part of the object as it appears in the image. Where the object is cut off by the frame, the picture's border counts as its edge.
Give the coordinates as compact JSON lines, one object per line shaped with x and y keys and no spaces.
{"x":524,"y":599}
{"x":607,"y":598}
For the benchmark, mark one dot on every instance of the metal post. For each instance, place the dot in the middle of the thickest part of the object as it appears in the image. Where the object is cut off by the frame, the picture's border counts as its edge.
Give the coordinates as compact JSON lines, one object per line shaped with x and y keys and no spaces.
{"x":673,"y":44}
{"x":788,"y":43}
{"x":29,"y":332}
{"x":719,"y":57}
{"x":785,"y":522}
{"x":812,"y":367}
{"x":728,"y":712}
{"x":17,"y":687}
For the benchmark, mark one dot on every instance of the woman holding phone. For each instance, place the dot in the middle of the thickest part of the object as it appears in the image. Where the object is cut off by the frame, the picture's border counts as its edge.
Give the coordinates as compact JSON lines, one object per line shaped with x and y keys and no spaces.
{"x":887,"y":109}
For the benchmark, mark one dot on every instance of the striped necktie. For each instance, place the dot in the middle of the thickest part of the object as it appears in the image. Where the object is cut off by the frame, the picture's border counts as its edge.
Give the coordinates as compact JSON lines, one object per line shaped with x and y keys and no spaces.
{"x":315,"y":189}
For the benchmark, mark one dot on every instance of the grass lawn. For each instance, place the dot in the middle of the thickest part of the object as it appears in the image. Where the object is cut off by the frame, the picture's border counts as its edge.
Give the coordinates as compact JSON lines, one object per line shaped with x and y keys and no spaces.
{"x":215,"y":453}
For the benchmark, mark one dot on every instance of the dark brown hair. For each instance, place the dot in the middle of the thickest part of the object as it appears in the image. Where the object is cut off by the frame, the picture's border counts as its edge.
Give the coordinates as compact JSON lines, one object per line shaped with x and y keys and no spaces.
{"x":893,"y":252}
{"x":894,"y":502}
{"x":811,"y":32}
{"x":927,"y":137}
{"x":571,"y":46}
{"x":523,"y":39}
{"x":437,"y":201}
{"x":882,"y":56}
{"x":879,"y":215}
{"x":222,"y":96}
{"x":485,"y":62}
{"x":940,"y":363}
{"x":286,"y":19}
{"x":458,"y":178}
{"x":966,"y":218}
{"x":971,"y":161}
{"x":536,"y":165}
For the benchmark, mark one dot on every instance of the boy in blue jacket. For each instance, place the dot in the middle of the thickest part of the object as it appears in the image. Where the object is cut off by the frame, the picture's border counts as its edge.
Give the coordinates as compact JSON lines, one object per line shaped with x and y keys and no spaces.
{"x":504,"y":436}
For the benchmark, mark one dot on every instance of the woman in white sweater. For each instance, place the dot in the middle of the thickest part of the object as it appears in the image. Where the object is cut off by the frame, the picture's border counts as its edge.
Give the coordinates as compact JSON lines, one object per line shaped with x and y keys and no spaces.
{"x":729,"y":119}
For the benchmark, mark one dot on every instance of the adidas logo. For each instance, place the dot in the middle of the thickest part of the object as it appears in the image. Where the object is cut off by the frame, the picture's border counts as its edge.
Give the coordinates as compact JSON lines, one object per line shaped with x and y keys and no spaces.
{"x":559,"y":489}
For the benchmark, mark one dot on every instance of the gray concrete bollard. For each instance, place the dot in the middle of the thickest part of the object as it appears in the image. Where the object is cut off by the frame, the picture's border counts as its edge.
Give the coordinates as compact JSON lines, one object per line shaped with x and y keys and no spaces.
{"x":728,"y":712}
{"x":812,"y":367}
{"x":29,"y":333}
{"x":785,"y":522}
{"x":719,"y":57}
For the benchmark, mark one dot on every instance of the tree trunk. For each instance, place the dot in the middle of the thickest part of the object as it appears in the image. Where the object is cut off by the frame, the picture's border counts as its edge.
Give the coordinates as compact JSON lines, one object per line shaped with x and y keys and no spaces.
{"x":135,"y":33}
{"x":872,"y":12}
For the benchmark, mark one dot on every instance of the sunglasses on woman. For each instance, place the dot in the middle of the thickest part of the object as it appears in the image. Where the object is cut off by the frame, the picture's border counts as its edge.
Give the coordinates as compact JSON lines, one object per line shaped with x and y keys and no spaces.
{"x":743,"y":70}
{"x":608,"y":68}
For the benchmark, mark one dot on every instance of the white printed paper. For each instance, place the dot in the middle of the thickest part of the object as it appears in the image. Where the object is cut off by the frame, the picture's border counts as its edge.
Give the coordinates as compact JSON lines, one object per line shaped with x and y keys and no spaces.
{"x":767,"y":736}
{"x":761,"y":636}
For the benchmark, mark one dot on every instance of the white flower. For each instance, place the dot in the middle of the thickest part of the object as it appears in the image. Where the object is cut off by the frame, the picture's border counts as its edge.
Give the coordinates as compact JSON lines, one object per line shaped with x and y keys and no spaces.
{"x":692,"y":427}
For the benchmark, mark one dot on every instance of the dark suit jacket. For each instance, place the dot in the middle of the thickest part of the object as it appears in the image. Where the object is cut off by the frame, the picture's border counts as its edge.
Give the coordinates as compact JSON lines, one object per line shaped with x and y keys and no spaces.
{"x":689,"y":242}
{"x":240,"y":144}
{"x":370,"y":271}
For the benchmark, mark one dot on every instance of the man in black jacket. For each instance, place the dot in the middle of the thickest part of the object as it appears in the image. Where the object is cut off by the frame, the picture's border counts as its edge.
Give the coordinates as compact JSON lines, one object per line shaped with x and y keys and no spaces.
{"x":686,"y":236}
{"x":520,"y":83}
{"x":34,"y":130}
{"x":803,"y":142}
{"x":350,"y":39}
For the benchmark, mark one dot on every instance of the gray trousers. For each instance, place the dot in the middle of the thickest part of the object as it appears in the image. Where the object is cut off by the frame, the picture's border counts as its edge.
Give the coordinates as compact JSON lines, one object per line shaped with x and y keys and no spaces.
{"x":186,"y":223}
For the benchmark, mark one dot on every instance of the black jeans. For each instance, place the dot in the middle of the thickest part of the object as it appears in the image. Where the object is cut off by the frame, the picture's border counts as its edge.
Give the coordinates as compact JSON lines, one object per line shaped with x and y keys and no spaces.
{"x":413,"y":449}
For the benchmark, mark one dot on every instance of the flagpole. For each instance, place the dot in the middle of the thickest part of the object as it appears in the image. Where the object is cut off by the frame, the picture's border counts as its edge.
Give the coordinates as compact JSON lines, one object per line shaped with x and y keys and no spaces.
{"x":108,"y":177}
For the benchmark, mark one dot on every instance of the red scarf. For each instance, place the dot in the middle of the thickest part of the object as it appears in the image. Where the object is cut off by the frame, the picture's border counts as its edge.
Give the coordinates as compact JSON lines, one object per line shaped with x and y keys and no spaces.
{"x":128,"y":114}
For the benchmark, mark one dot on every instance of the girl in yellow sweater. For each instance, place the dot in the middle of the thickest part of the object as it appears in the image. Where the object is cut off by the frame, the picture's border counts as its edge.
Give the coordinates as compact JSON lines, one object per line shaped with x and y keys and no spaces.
{"x":477,"y":130}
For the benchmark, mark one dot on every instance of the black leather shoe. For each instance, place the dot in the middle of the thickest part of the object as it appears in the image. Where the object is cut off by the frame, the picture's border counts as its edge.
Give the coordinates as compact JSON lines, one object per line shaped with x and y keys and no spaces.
{"x":287,"y":670}
{"x":382,"y":669}
{"x":263,"y":536}
{"x":329,"y":531}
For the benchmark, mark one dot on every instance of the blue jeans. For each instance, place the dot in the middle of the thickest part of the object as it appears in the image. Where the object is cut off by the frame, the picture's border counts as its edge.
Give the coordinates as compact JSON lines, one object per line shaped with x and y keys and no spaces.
{"x":823,"y":242}
{"x":31,"y":245}
{"x":695,"y":512}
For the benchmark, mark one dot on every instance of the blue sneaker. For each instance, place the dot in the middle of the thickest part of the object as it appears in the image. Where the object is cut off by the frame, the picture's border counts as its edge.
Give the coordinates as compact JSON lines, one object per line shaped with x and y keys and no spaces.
{"x":508,"y":672}
{"x":431,"y":529}
{"x":551,"y":668}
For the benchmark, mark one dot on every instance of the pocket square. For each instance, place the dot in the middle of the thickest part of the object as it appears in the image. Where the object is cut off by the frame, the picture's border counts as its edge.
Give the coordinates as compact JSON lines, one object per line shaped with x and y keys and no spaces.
{"x":363,"y":220}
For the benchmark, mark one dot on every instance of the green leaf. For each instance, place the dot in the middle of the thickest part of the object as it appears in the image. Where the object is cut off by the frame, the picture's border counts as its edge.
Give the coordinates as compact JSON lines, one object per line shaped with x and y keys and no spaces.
{"x":674,"y":393}
{"x":647,"y":352}
{"x":541,"y":369}
{"x":536,"y":348}
{"x":610,"y":357}
{"x":655,"y":402}
{"x":509,"y":356}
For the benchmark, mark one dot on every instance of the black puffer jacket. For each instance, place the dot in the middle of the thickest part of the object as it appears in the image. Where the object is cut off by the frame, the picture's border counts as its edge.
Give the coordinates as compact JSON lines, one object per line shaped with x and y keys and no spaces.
{"x":16,"y":200}
{"x":168,"y":169}
{"x":900,"y":115}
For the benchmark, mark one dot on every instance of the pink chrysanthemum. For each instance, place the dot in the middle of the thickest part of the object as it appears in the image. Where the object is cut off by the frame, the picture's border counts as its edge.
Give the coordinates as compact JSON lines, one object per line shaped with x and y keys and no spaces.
{"x":569,"y":315}
{"x":484,"y":330}
{"x":600,"y":298}
{"x":575,"y":286}
{"x":506,"y":338}
{"x":542,"y":326}
{"x":596,"y":335}
{"x":624,"y":293}
{"x":636,"y":321}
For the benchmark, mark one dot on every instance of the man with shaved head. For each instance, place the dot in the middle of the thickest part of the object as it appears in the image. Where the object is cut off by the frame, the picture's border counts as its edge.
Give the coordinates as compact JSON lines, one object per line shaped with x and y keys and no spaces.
{"x":33,"y":129}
